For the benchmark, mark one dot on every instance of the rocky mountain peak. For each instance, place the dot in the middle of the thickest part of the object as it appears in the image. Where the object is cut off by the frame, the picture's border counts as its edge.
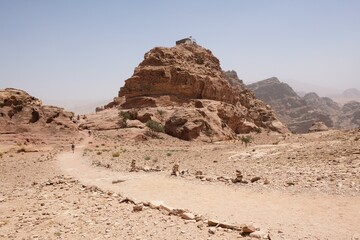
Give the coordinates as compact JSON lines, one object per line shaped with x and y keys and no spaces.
{"x":300,"y":113}
{"x":195,"y":96}
{"x":184,"y":71}
{"x":351,"y":93}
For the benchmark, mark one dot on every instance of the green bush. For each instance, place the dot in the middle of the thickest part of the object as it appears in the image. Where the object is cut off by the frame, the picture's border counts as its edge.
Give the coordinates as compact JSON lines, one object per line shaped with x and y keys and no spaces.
{"x":246,"y":140}
{"x":155,"y":126}
{"x":210,"y":134}
{"x":147,"y":158}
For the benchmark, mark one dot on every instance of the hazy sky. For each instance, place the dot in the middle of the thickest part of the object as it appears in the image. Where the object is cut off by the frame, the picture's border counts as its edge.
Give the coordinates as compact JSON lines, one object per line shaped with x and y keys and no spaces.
{"x":84,"y":50}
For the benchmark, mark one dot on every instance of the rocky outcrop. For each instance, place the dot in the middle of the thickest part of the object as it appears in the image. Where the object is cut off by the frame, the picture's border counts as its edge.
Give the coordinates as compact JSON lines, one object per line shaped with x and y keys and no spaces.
{"x":350,"y":115}
{"x":21,"y":112}
{"x":318,"y":127}
{"x":196,"y":96}
{"x":300,"y":113}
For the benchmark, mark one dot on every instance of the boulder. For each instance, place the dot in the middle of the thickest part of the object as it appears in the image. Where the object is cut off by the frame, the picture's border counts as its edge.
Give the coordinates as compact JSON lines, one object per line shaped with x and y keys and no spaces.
{"x":318,"y":127}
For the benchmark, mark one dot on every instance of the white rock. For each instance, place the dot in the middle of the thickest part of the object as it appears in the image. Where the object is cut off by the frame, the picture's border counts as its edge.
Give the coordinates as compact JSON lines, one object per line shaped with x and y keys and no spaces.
{"x":187,"y":216}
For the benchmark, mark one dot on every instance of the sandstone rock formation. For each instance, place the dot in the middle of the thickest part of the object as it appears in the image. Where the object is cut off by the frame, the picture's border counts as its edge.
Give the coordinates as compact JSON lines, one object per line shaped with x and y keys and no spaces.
{"x":20,"y":112}
{"x":185,"y":89}
{"x":318,"y":127}
{"x":300,"y":113}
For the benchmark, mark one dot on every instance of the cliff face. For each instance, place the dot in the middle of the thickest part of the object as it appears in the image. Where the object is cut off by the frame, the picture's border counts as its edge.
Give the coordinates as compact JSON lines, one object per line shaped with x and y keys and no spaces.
{"x":21,"y":112}
{"x":300,"y":113}
{"x":185,"y":71}
{"x":199,"y":96}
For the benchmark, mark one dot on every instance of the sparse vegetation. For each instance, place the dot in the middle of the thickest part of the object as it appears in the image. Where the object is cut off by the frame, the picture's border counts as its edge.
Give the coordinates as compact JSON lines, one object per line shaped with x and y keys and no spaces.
{"x":99,"y":153}
{"x":210,"y":134}
{"x":258,"y":130}
{"x":147,"y":158}
{"x":161,"y":112}
{"x":124,"y":116}
{"x":1,"y":154}
{"x":127,"y":115}
{"x":152,"y":134}
{"x":168,"y":154}
{"x":155,"y":126}
{"x":246,"y":140}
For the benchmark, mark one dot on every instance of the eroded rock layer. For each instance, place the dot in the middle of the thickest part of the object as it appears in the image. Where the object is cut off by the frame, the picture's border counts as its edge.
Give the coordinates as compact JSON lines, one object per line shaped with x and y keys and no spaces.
{"x":20,"y":112}
{"x":204,"y":99}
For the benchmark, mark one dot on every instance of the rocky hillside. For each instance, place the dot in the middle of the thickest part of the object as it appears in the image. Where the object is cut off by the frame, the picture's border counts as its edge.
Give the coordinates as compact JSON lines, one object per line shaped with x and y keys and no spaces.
{"x":300,"y":113}
{"x":184,"y":89}
{"x":20,"y":112}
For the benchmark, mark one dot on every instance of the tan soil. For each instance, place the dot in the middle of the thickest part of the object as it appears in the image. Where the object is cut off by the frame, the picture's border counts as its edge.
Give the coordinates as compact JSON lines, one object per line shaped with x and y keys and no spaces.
{"x":323,"y":201}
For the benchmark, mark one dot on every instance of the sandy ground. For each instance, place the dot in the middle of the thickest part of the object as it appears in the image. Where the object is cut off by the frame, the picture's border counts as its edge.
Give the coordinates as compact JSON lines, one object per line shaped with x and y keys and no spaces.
{"x":312,"y":181}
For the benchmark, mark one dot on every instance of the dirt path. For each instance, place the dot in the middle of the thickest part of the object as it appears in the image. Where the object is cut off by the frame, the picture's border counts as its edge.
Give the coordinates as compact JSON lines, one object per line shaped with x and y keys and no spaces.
{"x":300,"y":216}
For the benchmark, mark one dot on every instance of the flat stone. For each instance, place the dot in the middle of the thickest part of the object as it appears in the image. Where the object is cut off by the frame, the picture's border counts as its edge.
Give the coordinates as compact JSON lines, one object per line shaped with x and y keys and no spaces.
{"x":155,"y":204}
{"x":216,"y":223}
{"x":188,"y":216}
{"x":166,"y":208}
{"x":248,"y":228}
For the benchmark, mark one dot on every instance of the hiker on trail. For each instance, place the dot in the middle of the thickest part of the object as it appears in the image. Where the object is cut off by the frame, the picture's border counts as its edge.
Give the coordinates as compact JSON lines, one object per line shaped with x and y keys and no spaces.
{"x":89,"y":133}
{"x":73,"y":147}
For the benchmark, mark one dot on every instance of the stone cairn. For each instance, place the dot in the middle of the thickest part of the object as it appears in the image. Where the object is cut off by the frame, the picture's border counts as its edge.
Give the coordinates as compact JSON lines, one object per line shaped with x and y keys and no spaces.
{"x":175,"y":170}
{"x":239,"y":177}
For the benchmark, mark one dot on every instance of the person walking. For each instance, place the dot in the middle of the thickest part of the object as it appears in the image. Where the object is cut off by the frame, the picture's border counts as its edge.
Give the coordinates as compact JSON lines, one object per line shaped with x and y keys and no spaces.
{"x":73,"y":147}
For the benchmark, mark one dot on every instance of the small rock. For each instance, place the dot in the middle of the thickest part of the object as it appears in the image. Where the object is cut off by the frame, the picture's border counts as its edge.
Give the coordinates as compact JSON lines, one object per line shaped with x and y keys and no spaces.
{"x":212,"y":230}
{"x":198,"y":173}
{"x":117,"y":181}
{"x":155,"y":204}
{"x":138,"y":208}
{"x":259,"y":234}
{"x":266,"y":181}
{"x":254,"y":179}
{"x":248,"y":229}
{"x":175,"y":170}
{"x":190,"y":221}
{"x":290,"y":184}
{"x":166,"y":208}
{"x":200,"y":226}
{"x":210,"y":179}
{"x":2,"y":223}
{"x":187,"y":216}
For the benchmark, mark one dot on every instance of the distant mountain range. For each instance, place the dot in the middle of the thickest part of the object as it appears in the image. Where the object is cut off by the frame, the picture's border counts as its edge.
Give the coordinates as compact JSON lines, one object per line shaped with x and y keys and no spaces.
{"x":299,"y":113}
{"x":351,"y":94}
{"x":77,"y":106}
